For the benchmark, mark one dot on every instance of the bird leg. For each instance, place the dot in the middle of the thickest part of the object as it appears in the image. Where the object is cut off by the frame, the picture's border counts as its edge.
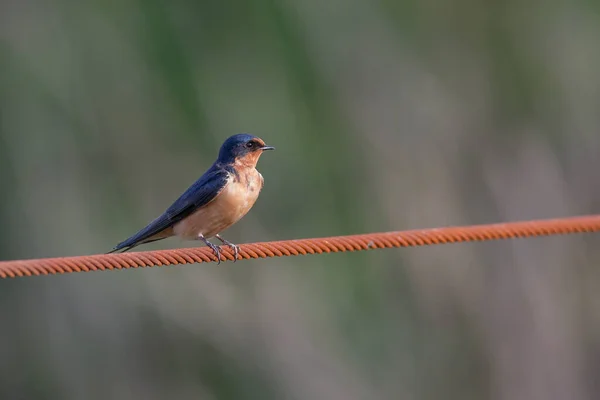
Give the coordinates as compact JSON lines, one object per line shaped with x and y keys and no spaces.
{"x":213,"y":247}
{"x":236,"y":248}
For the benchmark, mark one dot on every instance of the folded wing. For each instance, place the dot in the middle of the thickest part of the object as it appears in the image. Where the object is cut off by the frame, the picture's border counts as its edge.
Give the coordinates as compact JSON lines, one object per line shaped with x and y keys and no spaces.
{"x":202,"y":192}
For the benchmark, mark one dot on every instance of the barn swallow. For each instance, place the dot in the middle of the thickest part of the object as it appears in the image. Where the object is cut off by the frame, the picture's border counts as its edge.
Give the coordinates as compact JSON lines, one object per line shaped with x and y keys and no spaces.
{"x":220,"y":198}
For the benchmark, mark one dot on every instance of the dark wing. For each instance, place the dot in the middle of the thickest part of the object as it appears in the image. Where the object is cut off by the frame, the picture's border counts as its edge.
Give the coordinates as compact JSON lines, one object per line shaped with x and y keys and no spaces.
{"x":202,"y":192}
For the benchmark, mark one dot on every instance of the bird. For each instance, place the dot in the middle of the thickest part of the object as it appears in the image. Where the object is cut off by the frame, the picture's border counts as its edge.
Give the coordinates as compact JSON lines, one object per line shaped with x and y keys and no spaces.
{"x":217,"y":200}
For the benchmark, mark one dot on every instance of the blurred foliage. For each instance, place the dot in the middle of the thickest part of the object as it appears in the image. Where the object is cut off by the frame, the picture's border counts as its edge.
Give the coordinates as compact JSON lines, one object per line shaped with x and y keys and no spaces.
{"x":386,"y":115}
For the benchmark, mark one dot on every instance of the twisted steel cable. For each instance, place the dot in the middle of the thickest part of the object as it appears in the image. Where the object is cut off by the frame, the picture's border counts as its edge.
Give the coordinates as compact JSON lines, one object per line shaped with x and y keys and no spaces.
{"x":421,"y":237}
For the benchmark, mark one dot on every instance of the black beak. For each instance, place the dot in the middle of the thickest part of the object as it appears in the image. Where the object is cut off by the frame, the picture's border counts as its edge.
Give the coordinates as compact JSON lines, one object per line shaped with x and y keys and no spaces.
{"x":267,"y":148}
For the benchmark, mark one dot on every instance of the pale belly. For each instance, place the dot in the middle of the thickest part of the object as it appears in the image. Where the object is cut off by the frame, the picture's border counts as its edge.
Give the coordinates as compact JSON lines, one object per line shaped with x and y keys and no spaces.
{"x":236,"y":199}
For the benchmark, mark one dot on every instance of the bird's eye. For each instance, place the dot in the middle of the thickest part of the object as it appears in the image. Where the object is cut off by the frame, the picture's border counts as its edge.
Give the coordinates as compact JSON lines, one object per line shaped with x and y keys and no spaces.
{"x":250,"y":145}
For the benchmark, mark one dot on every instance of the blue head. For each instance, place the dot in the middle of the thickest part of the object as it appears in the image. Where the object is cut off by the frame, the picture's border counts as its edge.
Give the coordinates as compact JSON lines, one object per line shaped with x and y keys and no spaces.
{"x":242,"y":148}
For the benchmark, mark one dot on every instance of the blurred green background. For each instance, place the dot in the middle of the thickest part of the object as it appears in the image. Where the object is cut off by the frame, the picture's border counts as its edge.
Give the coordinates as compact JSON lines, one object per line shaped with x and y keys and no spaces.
{"x":386,"y":115}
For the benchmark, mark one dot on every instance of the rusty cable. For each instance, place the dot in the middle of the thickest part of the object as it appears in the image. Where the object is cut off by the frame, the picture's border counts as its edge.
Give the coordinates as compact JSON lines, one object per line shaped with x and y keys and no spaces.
{"x":410,"y":238}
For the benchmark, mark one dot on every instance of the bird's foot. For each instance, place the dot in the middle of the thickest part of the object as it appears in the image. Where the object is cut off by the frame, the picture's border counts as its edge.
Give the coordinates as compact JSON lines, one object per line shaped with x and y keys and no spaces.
{"x":216,"y":249}
{"x":234,"y":247}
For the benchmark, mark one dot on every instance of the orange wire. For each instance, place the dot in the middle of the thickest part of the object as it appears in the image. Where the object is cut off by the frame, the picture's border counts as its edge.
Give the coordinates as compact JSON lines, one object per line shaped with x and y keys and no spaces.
{"x":420,"y":237}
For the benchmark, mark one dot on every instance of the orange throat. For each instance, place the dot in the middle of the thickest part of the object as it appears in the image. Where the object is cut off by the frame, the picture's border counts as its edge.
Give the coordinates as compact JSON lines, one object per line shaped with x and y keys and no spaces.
{"x":249,"y":160}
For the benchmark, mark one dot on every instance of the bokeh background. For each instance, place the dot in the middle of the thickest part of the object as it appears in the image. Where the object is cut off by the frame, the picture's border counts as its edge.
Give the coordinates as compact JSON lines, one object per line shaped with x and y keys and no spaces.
{"x":386,"y":115}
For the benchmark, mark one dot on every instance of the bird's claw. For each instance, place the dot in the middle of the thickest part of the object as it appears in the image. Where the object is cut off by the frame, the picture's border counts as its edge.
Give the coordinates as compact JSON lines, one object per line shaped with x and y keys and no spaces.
{"x":234,"y":247}
{"x":216,"y":249}
{"x":236,"y":250}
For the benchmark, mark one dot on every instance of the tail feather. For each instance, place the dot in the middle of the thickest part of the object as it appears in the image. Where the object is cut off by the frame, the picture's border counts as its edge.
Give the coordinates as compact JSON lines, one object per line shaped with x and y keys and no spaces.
{"x":122,"y":249}
{"x":126,"y":246}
